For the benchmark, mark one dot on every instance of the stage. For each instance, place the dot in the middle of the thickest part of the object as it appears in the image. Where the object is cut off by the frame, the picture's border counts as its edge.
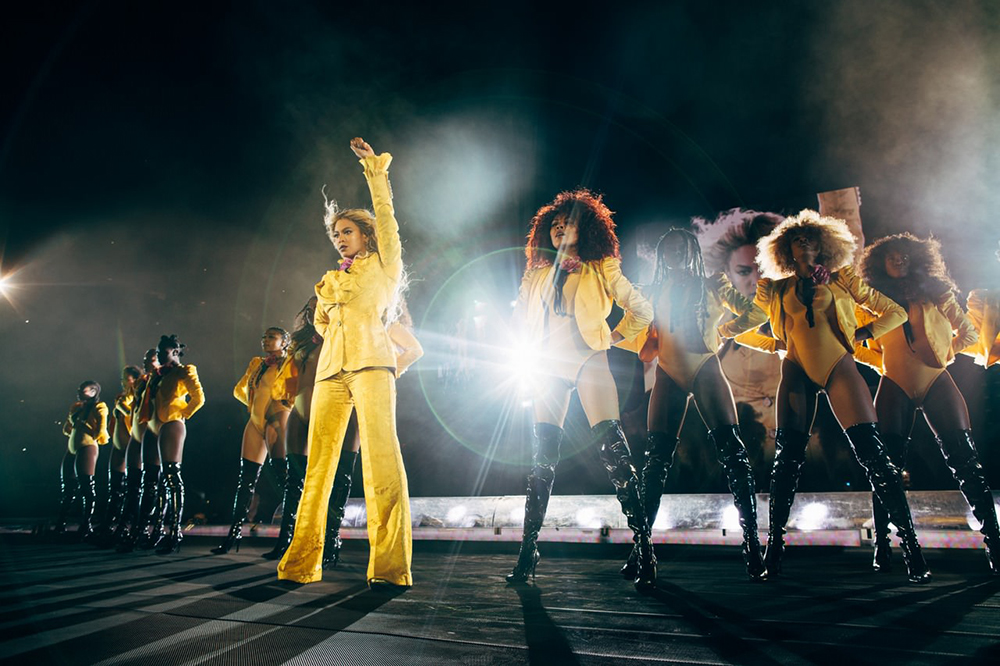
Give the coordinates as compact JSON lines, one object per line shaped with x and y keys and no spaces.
{"x":69,"y":603}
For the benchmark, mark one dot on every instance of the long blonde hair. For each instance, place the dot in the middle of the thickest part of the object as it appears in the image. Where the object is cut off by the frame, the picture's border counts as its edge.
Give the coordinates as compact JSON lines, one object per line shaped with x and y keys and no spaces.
{"x":835,"y":240}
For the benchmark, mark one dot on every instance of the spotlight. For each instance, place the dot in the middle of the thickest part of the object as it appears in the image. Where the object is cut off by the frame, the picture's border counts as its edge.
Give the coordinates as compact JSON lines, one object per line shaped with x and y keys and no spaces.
{"x":523,"y":367}
{"x":731,"y":518}
{"x":812,"y":516}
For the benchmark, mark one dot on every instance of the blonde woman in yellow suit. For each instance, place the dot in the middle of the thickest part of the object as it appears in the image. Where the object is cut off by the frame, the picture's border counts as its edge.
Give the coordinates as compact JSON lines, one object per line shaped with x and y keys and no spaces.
{"x":912,"y":361}
{"x":172,"y":396}
{"x":356,"y":370}
{"x":809,"y":293}
{"x":87,"y":428}
{"x":573,"y":275}
{"x":268,"y":404}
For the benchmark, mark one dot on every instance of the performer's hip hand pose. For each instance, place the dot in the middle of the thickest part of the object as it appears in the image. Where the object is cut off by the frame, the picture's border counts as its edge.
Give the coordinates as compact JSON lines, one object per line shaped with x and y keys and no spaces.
{"x":573,"y":274}
{"x":912,"y":361}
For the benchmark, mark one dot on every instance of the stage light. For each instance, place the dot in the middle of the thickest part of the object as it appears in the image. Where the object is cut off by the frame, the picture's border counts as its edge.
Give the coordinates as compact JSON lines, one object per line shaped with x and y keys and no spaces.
{"x":455,"y":514}
{"x":588,"y":519}
{"x":523,"y":366}
{"x":731,"y":518}
{"x":662,"y":521}
{"x":812,"y":517}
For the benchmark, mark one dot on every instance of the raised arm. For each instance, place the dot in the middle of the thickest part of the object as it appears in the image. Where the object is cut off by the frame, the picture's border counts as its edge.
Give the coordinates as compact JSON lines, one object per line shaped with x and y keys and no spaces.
{"x":638,"y":311}
{"x":386,"y":228}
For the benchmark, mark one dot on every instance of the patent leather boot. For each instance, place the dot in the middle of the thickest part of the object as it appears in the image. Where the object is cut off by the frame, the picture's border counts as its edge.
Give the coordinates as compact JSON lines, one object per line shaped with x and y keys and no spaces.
{"x":296,"y":473}
{"x":130,"y":508}
{"x":249,"y":473}
{"x":960,"y":454}
{"x":617,"y":460}
{"x":158,"y":518}
{"x":660,"y":449}
{"x":68,"y":491}
{"x":896,"y":446}
{"x":887,"y":484}
{"x":170,"y":542}
{"x":88,"y":490}
{"x":789,"y":455}
{"x":733,"y":456}
{"x":113,"y":510}
{"x":545,"y":449}
{"x":338,"y":506}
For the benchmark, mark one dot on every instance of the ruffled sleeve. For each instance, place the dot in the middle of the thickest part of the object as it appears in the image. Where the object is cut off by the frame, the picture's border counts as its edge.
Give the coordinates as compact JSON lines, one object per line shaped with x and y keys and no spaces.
{"x":194,"y":390}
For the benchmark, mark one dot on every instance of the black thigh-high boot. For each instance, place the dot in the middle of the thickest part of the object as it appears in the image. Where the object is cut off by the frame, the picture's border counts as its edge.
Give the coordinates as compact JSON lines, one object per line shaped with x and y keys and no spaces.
{"x":895,"y":446}
{"x":173,"y":482}
{"x":960,"y":453}
{"x":113,"y":511}
{"x":249,"y":473}
{"x":545,"y":445}
{"x":888,"y":486}
{"x":617,"y":460}
{"x":159,"y":516}
{"x":130,"y":506}
{"x":148,"y":505}
{"x":88,"y":491}
{"x":733,"y":456}
{"x":338,"y":505}
{"x":294,"y":476}
{"x":789,"y":455}
{"x":660,"y":449}
{"x":68,"y":491}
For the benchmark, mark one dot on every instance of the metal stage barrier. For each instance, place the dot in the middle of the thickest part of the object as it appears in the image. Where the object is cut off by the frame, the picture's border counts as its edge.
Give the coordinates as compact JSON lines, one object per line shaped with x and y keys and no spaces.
{"x":943,"y":520}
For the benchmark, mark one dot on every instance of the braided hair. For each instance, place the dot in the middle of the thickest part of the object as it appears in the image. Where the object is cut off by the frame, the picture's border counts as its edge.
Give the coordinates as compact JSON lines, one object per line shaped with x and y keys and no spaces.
{"x":692,"y":263}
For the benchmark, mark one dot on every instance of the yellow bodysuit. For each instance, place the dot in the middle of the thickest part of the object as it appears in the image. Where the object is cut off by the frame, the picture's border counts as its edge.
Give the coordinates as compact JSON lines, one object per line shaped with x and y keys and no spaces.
{"x":91,"y":431}
{"x":939,"y":330}
{"x":834,"y":305}
{"x":124,"y":403}
{"x":257,"y":389}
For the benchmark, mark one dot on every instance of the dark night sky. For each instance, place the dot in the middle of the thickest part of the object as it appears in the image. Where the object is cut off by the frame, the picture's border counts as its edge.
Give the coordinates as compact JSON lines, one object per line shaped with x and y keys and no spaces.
{"x":161,"y":166}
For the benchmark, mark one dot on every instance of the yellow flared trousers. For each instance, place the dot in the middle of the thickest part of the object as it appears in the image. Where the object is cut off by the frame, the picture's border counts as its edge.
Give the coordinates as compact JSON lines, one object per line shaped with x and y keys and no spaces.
{"x":372,"y":393}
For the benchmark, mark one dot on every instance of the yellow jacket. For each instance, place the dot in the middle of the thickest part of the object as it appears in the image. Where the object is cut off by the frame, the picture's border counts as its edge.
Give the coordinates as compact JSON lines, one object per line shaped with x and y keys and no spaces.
{"x":93,"y":431}
{"x":352,"y":304}
{"x":947,"y":328}
{"x":280,"y":390}
{"x":849,"y":291}
{"x":178,"y":395}
{"x":124,"y":403}
{"x":722,"y":297}
{"x":984,"y":313}
{"x":601,"y":281}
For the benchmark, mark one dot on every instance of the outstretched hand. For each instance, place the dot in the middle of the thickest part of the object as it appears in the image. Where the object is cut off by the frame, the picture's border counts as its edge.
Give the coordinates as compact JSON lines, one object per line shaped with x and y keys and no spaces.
{"x":361,"y":148}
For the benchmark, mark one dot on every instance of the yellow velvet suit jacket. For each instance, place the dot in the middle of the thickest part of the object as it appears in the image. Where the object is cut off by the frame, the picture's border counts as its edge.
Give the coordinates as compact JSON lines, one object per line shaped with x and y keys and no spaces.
{"x":601,"y":282}
{"x":178,"y":396}
{"x":352,"y":304}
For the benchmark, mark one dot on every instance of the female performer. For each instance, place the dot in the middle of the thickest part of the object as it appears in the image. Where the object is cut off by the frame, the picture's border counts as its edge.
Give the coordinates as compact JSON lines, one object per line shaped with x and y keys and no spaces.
{"x":264,"y":434}
{"x":810,"y":292}
{"x":688,"y":306}
{"x":86,"y":427}
{"x":121,"y":424}
{"x":912,"y":361}
{"x":573,"y":274}
{"x":356,"y":369}
{"x":131,"y":524}
{"x":173,"y":395}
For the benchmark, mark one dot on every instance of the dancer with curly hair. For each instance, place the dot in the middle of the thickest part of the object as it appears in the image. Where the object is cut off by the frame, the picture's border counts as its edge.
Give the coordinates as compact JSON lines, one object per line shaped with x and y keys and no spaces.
{"x":356,"y":370}
{"x":688,"y":306}
{"x":87,"y":428}
{"x":809,"y":292}
{"x":268,"y":404}
{"x":573,"y":275}
{"x":912,"y":361}
{"x":984,"y":313}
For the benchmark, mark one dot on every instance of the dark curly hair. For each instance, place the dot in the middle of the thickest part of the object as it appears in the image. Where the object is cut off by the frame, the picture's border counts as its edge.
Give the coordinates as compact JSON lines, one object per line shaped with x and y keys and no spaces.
{"x":170,"y":342}
{"x":928,"y":278}
{"x":596,"y":228}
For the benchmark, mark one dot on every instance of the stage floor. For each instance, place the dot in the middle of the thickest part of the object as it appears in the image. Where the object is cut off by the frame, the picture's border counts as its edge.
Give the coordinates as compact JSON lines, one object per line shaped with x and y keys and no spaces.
{"x":74,"y":604}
